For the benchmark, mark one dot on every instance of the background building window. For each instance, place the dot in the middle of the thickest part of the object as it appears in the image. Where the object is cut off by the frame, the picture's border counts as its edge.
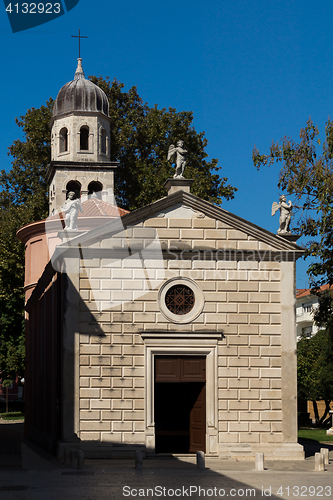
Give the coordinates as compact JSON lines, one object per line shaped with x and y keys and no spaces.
{"x":307,"y":308}
{"x":307,"y":331}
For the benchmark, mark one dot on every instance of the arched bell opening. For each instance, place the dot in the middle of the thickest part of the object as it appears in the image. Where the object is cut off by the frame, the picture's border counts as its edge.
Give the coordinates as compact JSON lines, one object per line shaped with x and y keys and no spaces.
{"x":74,"y":186}
{"x":95,"y":190}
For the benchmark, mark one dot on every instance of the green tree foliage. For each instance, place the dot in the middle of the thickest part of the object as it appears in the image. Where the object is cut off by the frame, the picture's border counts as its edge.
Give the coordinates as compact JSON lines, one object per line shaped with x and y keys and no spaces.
{"x":307,"y":174}
{"x":140,"y":137}
{"x":315,"y":371}
{"x":11,"y":297}
{"x":23,"y":199}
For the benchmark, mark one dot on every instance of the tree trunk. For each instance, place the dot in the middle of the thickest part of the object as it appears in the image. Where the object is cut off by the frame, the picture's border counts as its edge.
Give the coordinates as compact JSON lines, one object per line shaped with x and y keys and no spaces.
{"x":326,"y":412}
{"x":315,"y":411}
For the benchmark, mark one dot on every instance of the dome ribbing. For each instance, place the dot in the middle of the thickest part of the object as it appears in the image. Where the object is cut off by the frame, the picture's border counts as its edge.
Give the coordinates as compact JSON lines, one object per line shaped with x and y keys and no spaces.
{"x":80,"y":95}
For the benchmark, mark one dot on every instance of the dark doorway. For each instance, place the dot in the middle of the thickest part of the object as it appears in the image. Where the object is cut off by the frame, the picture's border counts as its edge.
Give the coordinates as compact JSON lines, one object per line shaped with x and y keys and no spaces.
{"x":180,"y":404}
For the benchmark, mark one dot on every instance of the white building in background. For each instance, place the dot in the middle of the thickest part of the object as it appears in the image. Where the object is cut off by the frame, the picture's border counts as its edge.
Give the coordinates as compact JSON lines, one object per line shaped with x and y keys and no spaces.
{"x":306,"y":304}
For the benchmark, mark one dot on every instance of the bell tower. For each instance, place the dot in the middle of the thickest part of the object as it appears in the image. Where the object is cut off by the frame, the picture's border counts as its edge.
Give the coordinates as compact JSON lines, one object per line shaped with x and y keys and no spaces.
{"x":80,"y":143}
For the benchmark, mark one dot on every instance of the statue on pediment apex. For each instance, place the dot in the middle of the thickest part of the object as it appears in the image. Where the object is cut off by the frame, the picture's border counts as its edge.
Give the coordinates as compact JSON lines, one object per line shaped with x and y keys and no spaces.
{"x":285,"y":214}
{"x":180,"y":161}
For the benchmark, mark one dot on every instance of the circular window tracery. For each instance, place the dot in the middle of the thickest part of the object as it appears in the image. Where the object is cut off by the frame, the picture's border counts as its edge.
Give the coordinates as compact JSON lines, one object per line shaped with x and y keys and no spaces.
{"x":180,"y":299}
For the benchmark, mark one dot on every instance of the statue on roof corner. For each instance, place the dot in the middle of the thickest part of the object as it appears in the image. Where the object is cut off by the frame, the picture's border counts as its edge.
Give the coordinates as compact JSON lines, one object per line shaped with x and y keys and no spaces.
{"x":71,"y":209}
{"x":285,"y":214}
{"x":180,"y":161}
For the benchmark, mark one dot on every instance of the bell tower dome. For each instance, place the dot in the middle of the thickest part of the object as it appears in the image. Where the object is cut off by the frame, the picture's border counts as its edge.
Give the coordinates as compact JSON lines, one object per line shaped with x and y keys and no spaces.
{"x":80,"y":143}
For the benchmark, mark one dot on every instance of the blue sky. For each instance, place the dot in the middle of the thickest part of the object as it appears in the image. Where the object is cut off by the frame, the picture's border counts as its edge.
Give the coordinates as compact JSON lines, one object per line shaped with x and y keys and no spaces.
{"x":251,"y":72}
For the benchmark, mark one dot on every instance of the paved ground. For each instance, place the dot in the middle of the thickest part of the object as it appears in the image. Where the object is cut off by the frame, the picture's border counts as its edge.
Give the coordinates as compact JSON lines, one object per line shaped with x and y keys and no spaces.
{"x":11,"y":435}
{"x":33,"y":477}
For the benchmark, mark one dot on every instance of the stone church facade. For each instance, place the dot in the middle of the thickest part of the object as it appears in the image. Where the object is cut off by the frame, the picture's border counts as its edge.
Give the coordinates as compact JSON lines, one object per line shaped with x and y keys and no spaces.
{"x":168,"y":329}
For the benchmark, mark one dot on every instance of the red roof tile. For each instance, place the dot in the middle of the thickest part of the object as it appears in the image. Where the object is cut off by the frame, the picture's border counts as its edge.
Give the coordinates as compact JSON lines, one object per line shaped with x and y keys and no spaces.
{"x":95,"y":207}
{"x":304,"y":292}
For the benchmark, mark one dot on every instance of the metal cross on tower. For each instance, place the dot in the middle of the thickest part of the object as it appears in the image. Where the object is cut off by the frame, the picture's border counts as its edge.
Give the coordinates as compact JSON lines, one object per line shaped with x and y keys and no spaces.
{"x":79,"y":37}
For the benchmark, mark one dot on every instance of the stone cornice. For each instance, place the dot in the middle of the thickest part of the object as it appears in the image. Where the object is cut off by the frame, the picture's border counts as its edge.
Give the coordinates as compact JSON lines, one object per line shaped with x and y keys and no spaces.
{"x":78,"y":113}
{"x":75,"y":165}
{"x":169,"y":334}
{"x":71,"y":250}
{"x":30,"y":230}
{"x":197,"y":204}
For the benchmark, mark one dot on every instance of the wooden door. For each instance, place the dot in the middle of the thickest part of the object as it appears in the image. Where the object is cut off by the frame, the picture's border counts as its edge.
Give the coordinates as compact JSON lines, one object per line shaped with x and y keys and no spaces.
{"x":198,"y":422}
{"x":180,"y":369}
{"x":180,"y":404}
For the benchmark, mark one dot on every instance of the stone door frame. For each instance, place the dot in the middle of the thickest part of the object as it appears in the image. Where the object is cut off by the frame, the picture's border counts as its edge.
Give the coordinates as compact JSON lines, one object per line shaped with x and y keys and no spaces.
{"x":183,"y":344}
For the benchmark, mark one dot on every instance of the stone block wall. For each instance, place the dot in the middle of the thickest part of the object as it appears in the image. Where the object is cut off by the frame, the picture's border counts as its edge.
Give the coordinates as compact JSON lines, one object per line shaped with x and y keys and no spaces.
{"x":241,"y":301}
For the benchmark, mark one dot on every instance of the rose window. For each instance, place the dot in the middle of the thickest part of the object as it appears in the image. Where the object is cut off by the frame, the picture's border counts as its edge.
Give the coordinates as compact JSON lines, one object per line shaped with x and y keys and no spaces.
{"x":179,"y":299}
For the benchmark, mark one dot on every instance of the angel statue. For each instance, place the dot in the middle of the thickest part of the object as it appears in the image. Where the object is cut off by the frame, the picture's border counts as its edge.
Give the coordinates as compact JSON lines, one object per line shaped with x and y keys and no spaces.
{"x":71,"y":209}
{"x":180,"y":158}
{"x":285,"y":214}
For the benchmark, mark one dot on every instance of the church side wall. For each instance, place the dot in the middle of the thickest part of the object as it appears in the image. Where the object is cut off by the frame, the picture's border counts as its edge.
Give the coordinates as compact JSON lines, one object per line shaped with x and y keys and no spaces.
{"x":42,"y":386}
{"x":242,"y":301}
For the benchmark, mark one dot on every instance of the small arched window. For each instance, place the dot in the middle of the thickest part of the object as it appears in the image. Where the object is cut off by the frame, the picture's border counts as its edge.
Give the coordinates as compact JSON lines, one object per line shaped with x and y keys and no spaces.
{"x":63,"y":140}
{"x":103,"y":142}
{"x":73,"y":186}
{"x":84,"y":138}
{"x":95,"y":189}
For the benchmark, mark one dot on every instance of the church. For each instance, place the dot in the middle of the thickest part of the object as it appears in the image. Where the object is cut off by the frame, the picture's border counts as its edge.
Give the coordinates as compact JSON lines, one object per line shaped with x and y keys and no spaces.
{"x":169,"y":329}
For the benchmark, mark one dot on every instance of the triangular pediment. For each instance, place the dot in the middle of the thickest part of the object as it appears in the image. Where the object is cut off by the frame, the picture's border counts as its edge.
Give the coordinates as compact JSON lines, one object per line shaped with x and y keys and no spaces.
{"x":185,"y":206}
